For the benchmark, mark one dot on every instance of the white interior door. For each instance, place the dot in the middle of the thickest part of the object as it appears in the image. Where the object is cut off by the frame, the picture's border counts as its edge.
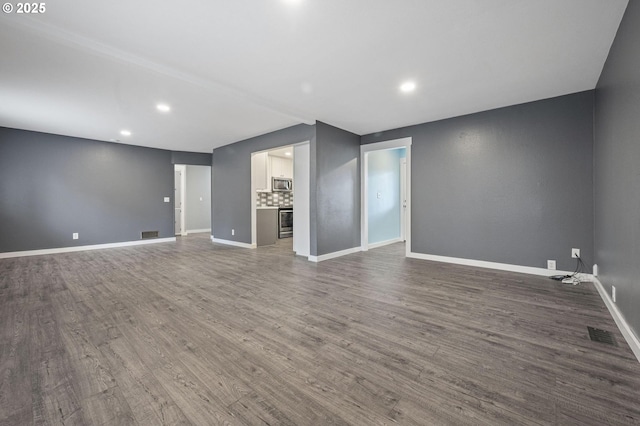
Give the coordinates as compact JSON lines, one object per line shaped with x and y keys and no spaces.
{"x":177,"y":197}
{"x":403,"y":199}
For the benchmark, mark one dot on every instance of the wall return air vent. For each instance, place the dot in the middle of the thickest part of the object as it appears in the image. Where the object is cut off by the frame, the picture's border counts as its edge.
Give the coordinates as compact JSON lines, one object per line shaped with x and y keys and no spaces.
{"x":147,"y":235}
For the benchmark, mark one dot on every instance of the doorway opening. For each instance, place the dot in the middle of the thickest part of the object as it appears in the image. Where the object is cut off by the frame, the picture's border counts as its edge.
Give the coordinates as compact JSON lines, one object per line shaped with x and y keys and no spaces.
{"x":386,"y":194}
{"x":192,"y":199}
{"x":280,"y":198}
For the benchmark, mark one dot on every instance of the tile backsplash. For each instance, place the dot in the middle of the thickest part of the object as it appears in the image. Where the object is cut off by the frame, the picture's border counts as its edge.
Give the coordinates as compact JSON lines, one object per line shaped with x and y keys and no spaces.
{"x":266,"y":199}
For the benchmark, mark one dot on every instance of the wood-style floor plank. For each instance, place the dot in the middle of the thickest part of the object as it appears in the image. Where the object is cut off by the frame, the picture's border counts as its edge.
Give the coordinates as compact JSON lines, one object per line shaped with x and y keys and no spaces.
{"x":198,"y":333}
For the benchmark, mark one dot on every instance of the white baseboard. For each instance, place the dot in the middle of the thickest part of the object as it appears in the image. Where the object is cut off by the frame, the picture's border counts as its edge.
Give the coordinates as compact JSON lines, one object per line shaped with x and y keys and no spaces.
{"x":232,"y":243}
{"x":384,"y":243}
{"x":623,"y":326}
{"x":84,"y":248}
{"x":198,"y":231}
{"x":489,"y":265}
{"x":334,"y":254}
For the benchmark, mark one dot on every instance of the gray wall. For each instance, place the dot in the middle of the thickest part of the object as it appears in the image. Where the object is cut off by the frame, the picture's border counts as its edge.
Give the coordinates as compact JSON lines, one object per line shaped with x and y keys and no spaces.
{"x":198,"y":198}
{"x":335,"y":190}
{"x":511,"y":185}
{"x":617,"y":168}
{"x":192,"y":158}
{"x":231,"y":177}
{"x":52,"y":186}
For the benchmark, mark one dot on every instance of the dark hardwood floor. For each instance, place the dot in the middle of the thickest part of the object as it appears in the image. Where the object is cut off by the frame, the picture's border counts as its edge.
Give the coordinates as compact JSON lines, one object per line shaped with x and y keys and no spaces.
{"x":196,"y":333}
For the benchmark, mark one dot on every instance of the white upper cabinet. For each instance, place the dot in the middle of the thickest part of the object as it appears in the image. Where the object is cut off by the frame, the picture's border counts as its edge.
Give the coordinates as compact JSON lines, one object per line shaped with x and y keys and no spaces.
{"x":281,"y":167}
{"x":262,"y":172}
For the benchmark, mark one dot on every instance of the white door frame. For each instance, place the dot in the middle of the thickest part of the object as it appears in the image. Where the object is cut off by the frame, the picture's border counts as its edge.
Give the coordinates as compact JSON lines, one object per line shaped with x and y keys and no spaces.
{"x":364,"y":198}
{"x":301,"y":201}
{"x":182,"y":168}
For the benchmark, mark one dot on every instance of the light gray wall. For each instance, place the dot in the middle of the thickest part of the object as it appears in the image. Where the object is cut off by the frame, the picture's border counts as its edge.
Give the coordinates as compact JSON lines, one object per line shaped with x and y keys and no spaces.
{"x":335,"y":190}
{"x":511,"y":185}
{"x":52,"y":186}
{"x":383,"y":174}
{"x":231,"y":177}
{"x":198,"y":198}
{"x":617,"y":169}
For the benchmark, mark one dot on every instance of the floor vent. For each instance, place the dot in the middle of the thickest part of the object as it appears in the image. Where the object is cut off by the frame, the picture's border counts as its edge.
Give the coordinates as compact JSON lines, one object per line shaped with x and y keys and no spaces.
{"x":149,"y":234}
{"x":601,"y":336}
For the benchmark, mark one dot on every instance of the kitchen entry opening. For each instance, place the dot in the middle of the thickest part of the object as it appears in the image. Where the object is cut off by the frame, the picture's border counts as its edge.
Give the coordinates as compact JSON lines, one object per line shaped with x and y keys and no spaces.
{"x":280,"y":198}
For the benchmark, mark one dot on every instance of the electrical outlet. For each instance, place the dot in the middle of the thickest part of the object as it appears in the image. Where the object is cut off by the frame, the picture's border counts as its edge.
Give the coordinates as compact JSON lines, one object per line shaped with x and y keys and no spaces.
{"x":233,"y":232}
{"x":75,"y":235}
{"x":575,"y":253}
{"x":613,"y":293}
{"x":551,"y":264}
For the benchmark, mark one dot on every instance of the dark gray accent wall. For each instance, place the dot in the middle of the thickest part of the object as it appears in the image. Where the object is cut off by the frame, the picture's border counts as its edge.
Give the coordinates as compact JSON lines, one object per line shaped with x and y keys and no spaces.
{"x":231,"y":180}
{"x":511,"y":185}
{"x":191,"y":158}
{"x":335,"y":190}
{"x":52,"y":186}
{"x":617,"y":168}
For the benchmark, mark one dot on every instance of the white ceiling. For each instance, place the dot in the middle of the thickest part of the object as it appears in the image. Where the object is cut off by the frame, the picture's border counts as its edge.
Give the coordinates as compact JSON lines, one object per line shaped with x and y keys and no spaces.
{"x":282,"y":152}
{"x":233,"y":69}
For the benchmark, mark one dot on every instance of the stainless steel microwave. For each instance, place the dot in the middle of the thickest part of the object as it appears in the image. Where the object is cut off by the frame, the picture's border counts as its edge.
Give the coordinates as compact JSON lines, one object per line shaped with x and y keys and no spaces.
{"x":281,"y":184}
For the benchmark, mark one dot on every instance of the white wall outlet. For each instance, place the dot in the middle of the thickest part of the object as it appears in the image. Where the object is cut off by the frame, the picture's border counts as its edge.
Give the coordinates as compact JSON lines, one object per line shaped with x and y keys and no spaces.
{"x":595,"y":270}
{"x":613,"y":293}
{"x":551,"y":264}
{"x":75,"y":235}
{"x":233,"y":232}
{"x":575,"y":253}
{"x":167,"y":199}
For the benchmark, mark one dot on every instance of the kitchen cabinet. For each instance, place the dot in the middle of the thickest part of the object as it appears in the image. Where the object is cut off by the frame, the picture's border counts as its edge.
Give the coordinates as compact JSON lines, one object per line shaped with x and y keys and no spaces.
{"x":281,"y":167}
{"x":262,"y":172}
{"x":266,"y":226}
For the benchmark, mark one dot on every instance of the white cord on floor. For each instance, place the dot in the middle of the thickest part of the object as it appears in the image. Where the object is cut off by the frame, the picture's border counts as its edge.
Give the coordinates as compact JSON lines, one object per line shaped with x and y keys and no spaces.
{"x":571,"y":280}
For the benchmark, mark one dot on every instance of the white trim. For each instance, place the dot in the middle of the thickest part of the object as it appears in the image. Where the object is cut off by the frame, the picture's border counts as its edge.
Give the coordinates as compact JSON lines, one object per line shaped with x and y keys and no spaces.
{"x":490,"y":265}
{"x":385,"y":243}
{"x":232,"y":243}
{"x":254,"y":203}
{"x":623,"y":326}
{"x":84,"y":248}
{"x":364,"y":220}
{"x":198,"y":231}
{"x":334,"y":254}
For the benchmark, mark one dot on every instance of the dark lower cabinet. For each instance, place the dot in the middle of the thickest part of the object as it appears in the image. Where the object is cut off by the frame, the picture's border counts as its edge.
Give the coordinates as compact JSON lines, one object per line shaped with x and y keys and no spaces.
{"x":266,"y":226}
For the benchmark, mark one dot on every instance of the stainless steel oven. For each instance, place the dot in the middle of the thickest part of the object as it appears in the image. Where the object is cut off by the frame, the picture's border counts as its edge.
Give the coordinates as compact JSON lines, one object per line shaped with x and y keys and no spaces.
{"x":285,"y":222}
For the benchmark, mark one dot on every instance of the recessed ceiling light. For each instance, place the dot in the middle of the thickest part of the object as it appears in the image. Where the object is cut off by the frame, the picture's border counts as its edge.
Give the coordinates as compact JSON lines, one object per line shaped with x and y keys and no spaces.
{"x":163,"y":107}
{"x":125,"y":132}
{"x":408,"y":86}
{"x":287,"y":153}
